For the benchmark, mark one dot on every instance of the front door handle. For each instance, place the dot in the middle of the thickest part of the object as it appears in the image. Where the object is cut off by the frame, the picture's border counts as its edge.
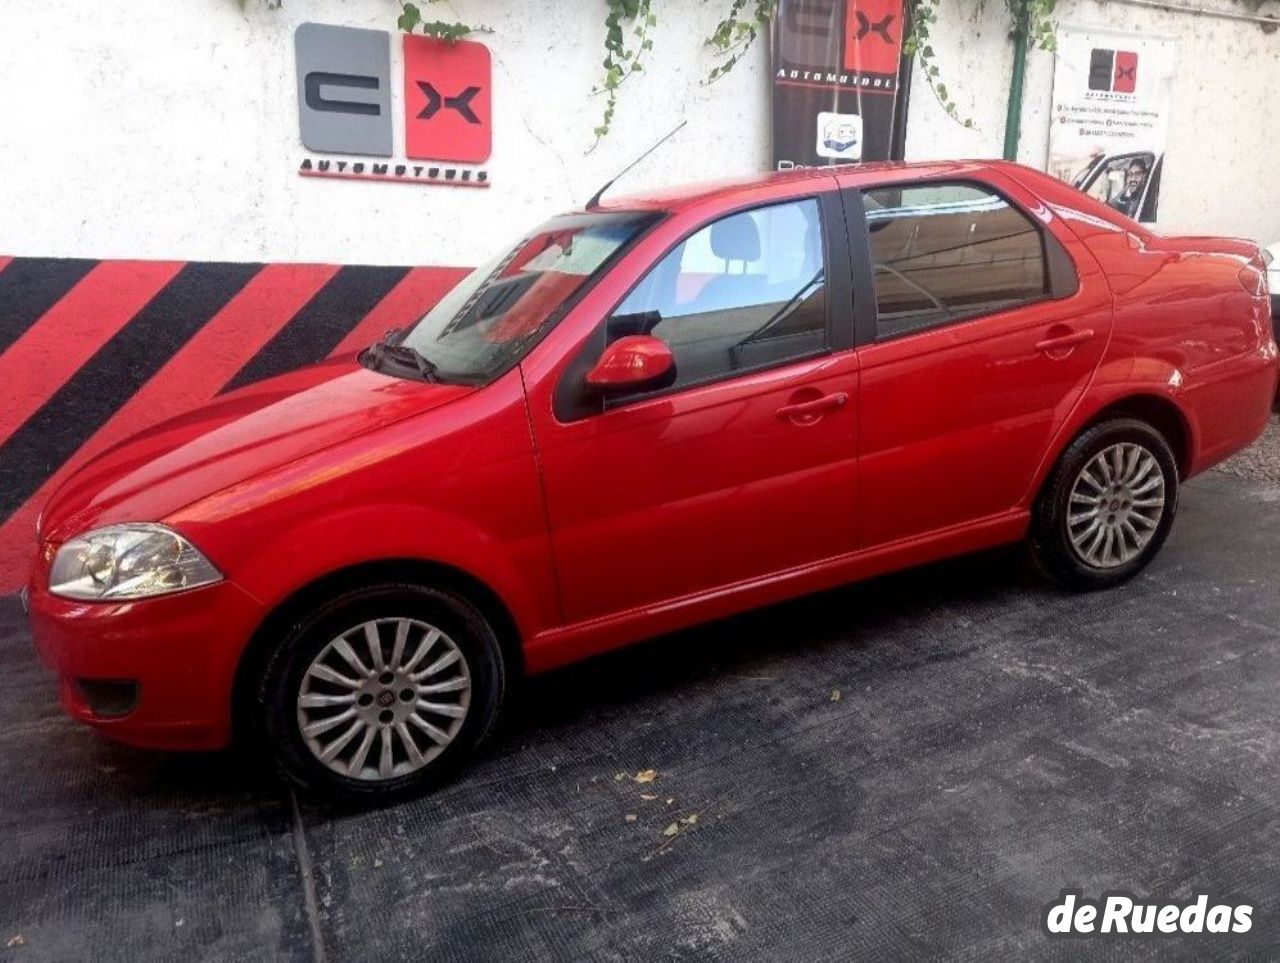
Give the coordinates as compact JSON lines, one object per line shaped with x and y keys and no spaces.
{"x":1064,"y":342}
{"x":807,"y":412}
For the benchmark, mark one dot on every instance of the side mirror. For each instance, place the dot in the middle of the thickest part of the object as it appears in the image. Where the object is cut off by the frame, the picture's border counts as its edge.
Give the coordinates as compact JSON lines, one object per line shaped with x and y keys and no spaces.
{"x":633,"y":363}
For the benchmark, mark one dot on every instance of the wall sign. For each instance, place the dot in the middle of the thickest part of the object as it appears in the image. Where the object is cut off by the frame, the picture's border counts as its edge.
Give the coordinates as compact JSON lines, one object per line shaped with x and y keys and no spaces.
{"x":344,"y":89}
{"x":839,"y":81}
{"x":345,"y":106}
{"x":448,"y":113}
{"x":1111,"y":98}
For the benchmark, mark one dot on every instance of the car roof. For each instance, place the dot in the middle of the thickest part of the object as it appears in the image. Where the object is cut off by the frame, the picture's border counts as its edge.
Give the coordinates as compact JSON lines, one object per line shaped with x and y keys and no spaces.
{"x":679,"y":196}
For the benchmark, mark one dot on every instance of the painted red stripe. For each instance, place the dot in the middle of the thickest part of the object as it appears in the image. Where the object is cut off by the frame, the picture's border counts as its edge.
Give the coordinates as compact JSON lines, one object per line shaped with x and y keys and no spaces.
{"x":217,"y":351}
{"x":408,"y":301}
{"x":53,"y":349}
{"x":193,"y":376}
{"x":4,"y":262}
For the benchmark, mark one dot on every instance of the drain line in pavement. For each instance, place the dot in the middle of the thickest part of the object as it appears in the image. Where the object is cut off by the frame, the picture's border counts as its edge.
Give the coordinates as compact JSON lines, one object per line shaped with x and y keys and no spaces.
{"x":308,"y":881}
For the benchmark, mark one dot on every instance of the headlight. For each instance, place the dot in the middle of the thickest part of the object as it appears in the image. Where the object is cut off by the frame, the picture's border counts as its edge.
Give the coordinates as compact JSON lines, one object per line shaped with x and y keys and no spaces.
{"x":131,"y":561}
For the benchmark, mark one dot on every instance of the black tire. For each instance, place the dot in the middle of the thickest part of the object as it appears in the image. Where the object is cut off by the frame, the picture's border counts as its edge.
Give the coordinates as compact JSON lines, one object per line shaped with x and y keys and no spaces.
{"x":458,"y":620}
{"x":1050,"y":540}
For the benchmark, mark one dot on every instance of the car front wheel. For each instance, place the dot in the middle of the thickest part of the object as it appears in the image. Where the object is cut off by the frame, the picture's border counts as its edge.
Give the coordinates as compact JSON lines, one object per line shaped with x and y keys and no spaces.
{"x":382,"y":693}
{"x":1108,"y":506}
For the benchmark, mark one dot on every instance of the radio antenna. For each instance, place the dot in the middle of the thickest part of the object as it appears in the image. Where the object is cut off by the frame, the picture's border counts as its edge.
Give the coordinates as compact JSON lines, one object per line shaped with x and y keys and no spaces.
{"x":595,"y":199}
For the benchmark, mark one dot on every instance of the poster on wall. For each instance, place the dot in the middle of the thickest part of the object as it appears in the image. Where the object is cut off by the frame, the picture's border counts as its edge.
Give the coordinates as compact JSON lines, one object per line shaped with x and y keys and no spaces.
{"x":1112,"y":93}
{"x":840,"y":82}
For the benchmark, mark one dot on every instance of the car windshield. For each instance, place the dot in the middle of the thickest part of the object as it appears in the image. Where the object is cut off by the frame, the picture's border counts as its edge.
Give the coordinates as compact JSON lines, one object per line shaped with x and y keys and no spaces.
{"x":497,"y":312}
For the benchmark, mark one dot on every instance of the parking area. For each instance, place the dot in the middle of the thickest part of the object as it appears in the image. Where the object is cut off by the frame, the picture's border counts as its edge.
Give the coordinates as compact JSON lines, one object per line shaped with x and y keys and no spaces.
{"x":907,"y":768}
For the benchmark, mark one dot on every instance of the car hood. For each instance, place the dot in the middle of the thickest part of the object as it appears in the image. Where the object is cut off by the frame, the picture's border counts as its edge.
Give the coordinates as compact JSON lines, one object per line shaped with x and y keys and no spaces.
{"x":247,"y":432}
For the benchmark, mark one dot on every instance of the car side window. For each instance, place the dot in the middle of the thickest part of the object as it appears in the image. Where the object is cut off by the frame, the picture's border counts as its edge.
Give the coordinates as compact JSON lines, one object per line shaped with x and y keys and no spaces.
{"x":746,"y":291}
{"x":943,"y":252}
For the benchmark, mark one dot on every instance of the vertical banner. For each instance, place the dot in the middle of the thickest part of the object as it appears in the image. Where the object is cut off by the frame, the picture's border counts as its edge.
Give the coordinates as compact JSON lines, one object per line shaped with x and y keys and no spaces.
{"x":1112,"y":93}
{"x":839,"y":81}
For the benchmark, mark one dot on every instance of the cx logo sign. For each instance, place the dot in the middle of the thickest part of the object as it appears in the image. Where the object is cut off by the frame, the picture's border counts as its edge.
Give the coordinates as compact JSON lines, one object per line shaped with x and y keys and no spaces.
{"x":448,"y":110}
{"x":345,"y":95}
{"x":872,"y":36}
{"x":1113,"y":70}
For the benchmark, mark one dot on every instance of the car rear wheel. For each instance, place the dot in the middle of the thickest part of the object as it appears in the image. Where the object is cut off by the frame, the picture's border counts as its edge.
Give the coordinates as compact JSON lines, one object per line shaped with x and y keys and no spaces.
{"x":1108,"y":506}
{"x":382,"y":693}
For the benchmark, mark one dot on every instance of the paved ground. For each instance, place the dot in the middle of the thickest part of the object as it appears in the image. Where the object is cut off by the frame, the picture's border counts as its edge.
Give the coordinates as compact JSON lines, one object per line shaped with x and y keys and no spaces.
{"x":908,"y":768}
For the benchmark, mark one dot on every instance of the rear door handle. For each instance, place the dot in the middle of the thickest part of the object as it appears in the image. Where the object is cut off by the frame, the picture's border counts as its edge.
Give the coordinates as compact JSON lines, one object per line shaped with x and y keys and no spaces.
{"x":1064,"y":342}
{"x":808,"y":411}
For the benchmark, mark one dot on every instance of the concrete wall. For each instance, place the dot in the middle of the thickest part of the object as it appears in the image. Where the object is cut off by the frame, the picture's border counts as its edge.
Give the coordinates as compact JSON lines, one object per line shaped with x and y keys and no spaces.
{"x":168,"y":128}
{"x":157,"y":128}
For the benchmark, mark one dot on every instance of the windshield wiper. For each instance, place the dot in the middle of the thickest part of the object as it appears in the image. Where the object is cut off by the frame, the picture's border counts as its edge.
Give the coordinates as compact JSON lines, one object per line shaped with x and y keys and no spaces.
{"x":405,"y":356}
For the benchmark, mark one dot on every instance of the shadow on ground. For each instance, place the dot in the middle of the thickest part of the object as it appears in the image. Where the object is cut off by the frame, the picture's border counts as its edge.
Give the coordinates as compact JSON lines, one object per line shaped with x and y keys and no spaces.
{"x":915,"y":766}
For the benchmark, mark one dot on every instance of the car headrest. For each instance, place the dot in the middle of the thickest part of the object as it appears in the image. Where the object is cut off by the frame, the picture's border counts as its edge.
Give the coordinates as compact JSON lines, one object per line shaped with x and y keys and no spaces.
{"x":736,"y":238}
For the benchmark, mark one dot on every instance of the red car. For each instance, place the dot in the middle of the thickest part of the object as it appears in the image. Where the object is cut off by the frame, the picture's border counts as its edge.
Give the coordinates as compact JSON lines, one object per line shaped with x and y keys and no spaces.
{"x":644,"y":415}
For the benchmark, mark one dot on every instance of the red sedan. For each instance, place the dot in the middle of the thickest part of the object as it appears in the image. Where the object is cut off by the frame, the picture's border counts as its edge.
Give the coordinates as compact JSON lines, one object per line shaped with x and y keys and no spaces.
{"x":644,"y":415}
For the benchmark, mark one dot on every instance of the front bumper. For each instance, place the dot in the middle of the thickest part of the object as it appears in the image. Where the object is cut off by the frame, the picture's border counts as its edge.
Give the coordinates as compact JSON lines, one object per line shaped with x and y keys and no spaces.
{"x":180,"y":651}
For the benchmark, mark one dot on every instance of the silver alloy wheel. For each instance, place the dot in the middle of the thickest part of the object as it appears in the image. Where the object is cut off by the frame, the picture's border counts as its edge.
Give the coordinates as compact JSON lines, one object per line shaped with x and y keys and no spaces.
{"x":1116,"y":505}
{"x":397,"y":682}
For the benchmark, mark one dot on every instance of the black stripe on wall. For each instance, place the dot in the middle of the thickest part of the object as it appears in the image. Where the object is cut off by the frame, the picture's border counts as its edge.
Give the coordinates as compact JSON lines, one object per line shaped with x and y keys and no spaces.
{"x":110,"y":378}
{"x":322,"y":323}
{"x":30,"y":286}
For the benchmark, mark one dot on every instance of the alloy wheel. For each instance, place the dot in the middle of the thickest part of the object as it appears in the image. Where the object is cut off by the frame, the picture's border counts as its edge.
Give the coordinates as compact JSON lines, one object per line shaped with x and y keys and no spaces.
{"x":384,"y":698}
{"x":1116,"y":505}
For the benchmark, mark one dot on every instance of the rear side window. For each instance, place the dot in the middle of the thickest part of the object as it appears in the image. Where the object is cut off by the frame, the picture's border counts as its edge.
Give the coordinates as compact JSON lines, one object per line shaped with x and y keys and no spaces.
{"x":945,"y":252}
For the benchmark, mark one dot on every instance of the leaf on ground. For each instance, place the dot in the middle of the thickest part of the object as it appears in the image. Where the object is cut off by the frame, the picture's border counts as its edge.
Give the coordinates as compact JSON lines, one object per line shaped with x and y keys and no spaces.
{"x":835,"y":695}
{"x":645,"y":775}
{"x":690,"y":820}
{"x":648,"y":796}
{"x":671,"y":830}
{"x":619,"y":776}
{"x":18,"y":940}
{"x":630,"y":817}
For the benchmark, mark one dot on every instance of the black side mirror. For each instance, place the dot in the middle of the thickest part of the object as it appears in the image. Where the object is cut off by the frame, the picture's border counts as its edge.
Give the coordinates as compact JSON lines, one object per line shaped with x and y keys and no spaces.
{"x":631,"y":325}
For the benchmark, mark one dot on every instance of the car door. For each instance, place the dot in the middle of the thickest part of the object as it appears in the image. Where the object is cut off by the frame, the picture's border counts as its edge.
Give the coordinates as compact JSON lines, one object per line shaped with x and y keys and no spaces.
{"x":990,"y":320}
{"x":746,"y":465}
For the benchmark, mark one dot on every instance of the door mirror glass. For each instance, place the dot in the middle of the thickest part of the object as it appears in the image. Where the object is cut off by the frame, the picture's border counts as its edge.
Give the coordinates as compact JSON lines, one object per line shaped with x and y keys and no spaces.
{"x":633,"y":363}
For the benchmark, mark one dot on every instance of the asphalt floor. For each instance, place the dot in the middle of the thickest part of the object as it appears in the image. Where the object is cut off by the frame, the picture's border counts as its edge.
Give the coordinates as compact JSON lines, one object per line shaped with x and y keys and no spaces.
{"x":910,"y":768}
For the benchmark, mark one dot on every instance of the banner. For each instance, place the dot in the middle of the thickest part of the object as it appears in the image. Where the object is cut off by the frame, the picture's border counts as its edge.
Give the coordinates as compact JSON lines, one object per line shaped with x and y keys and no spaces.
{"x":1111,"y":99}
{"x":840,"y":82}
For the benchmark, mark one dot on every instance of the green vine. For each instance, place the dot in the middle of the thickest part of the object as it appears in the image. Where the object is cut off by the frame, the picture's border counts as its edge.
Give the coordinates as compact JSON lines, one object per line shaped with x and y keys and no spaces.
{"x":411,"y":19}
{"x":1043,"y":31}
{"x":735,"y":34}
{"x":626,"y":42}
{"x":1032,"y":24}
{"x":629,"y":25}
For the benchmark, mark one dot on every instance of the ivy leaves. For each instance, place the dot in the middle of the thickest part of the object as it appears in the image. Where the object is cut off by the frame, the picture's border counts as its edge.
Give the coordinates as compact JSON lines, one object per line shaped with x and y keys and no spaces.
{"x":1040,"y":26}
{"x":924,"y":14}
{"x":627,"y":25}
{"x":734,"y":35}
{"x":411,"y":19}
{"x":1032,"y":21}
{"x":628,"y":39}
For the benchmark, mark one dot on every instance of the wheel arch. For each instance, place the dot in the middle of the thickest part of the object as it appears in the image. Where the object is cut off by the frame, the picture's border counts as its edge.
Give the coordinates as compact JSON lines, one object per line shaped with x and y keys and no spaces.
{"x":1161,"y":413}
{"x":253,"y":659}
